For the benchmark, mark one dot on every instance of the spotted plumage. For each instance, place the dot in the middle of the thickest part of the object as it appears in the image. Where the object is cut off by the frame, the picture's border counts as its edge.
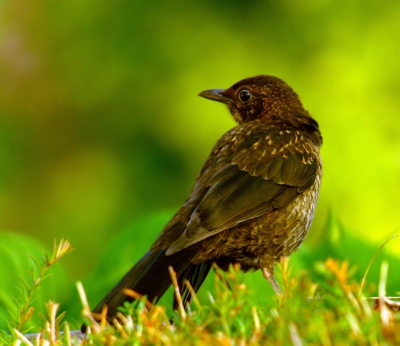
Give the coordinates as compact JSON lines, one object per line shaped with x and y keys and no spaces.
{"x":253,"y":201}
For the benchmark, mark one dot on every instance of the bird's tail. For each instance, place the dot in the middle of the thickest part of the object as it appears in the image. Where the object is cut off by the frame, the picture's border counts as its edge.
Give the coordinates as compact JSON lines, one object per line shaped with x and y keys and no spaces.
{"x":195,"y":274}
{"x":150,"y":277}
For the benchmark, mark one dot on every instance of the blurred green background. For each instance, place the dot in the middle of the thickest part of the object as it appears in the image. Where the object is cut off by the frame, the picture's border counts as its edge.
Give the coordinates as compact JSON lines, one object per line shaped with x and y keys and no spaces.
{"x":100,"y":122}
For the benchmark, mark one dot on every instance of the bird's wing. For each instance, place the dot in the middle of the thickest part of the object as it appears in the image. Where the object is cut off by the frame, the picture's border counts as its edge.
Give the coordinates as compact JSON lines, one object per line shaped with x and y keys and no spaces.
{"x":263,"y":174}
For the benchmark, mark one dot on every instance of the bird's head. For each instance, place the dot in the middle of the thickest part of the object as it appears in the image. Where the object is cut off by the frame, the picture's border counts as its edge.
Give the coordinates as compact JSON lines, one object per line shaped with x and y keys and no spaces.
{"x":262,"y":97}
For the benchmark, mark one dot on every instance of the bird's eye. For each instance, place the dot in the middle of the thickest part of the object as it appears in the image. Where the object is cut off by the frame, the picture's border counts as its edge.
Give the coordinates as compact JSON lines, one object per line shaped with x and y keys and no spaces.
{"x":245,"y":96}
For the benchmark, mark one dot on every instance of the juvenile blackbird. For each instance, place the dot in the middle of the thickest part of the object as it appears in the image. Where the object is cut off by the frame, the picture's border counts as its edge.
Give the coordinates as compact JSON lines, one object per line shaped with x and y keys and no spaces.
{"x":252,"y":203}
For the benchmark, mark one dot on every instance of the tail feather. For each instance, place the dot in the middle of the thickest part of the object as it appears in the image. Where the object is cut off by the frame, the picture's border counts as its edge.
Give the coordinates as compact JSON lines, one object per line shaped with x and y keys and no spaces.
{"x":195,"y":274}
{"x":150,"y":277}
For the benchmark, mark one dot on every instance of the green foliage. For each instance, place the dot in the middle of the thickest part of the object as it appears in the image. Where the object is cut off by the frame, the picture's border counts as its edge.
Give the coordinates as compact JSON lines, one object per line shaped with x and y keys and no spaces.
{"x":333,"y":309}
{"x":304,"y":314}
{"x":339,"y":242}
{"x":123,"y":251}
{"x":335,"y":241}
{"x":27,"y":283}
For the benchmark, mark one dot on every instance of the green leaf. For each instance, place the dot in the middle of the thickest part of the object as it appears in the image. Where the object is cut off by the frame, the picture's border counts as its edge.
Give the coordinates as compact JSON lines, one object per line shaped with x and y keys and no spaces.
{"x":18,"y":256}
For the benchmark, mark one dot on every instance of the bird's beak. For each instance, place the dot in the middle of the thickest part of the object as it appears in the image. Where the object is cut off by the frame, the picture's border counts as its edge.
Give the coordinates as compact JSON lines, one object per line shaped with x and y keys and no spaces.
{"x":216,"y":95}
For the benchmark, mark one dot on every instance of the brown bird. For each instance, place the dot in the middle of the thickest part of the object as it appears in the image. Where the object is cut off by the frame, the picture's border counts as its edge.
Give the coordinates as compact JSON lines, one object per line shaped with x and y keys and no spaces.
{"x":252,"y":203}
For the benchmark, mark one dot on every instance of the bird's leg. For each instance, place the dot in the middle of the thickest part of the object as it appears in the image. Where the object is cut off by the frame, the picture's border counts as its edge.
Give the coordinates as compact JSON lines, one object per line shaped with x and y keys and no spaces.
{"x":269,"y":275}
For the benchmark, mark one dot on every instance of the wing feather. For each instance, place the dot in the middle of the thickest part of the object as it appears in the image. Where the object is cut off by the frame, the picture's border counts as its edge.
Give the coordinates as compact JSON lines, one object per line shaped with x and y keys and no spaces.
{"x":249,"y":183}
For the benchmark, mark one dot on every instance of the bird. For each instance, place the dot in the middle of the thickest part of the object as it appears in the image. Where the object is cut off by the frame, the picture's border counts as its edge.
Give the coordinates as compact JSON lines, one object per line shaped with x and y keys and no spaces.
{"x":252,"y":202}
